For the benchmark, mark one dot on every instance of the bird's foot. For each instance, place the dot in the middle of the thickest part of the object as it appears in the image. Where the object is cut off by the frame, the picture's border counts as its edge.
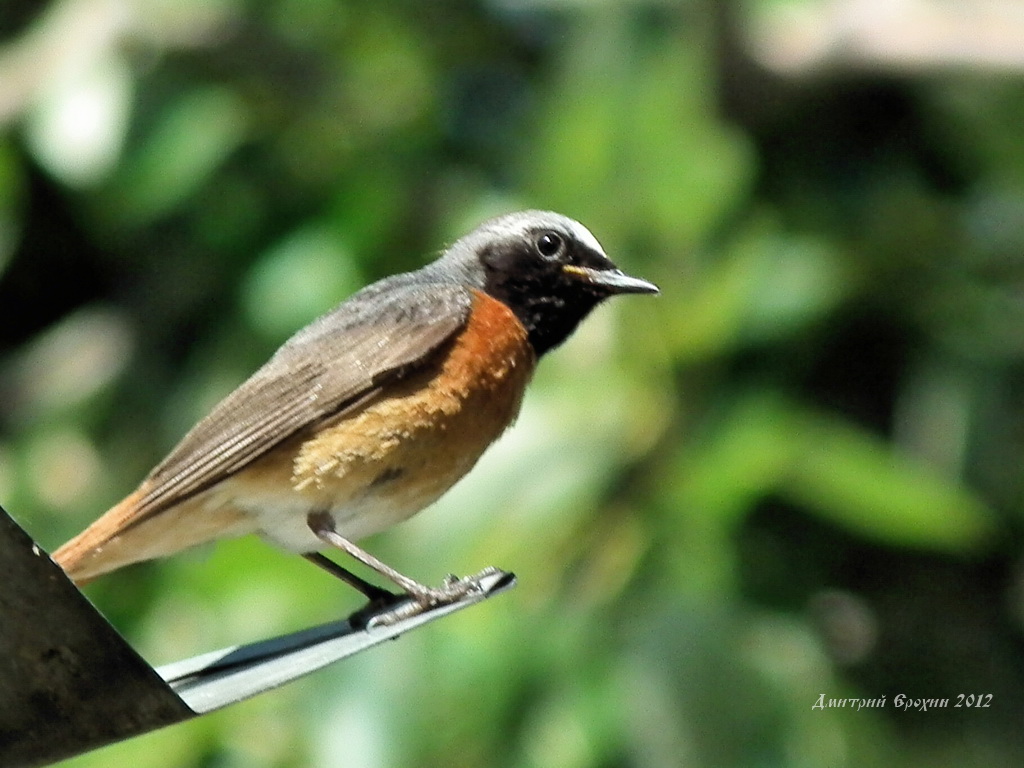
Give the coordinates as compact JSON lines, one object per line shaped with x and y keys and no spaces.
{"x":419,"y":598}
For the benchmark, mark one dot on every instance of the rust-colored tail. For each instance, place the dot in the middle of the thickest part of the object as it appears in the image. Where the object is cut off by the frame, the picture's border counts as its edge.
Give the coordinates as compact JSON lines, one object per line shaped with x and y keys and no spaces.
{"x":99,"y":548}
{"x":123,"y":536}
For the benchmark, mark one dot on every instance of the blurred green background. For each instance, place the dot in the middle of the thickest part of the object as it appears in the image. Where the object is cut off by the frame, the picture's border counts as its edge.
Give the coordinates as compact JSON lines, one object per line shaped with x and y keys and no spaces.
{"x":797,"y":472}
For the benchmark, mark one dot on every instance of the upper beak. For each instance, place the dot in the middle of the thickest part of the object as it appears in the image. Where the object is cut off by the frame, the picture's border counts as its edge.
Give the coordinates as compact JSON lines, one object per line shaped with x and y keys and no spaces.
{"x":614,"y":280}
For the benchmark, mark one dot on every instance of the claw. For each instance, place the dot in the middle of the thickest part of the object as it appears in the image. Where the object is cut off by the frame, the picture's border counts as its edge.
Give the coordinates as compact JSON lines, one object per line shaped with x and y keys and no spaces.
{"x":452,"y":590}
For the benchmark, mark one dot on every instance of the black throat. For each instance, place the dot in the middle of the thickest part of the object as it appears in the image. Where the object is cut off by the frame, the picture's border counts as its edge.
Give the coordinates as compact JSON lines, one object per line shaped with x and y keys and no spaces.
{"x":549,"y":305}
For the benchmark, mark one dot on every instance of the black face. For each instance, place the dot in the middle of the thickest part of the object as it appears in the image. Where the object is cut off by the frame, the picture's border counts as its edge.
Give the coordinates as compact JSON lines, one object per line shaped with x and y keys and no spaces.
{"x":551,"y":279}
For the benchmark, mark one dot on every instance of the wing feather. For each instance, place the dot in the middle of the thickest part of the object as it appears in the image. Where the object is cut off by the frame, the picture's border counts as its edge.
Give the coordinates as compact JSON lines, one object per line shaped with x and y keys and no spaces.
{"x":334,"y":364}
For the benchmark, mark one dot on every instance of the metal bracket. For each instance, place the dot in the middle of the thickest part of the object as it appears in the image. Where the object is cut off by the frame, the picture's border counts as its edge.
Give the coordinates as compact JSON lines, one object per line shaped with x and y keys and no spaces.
{"x":70,"y":683}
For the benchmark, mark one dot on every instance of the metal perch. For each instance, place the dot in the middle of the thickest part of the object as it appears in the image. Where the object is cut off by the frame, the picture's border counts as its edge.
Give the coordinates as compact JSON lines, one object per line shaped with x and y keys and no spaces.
{"x":70,"y":683}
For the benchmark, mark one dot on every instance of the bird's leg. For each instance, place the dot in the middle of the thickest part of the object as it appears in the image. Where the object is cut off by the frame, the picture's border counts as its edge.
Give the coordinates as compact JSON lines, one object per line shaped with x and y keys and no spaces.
{"x":322,"y":525}
{"x":373,"y":593}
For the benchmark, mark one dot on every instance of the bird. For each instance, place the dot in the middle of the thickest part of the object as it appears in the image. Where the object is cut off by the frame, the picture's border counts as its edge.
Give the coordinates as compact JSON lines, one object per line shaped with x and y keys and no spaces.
{"x":371,"y":412}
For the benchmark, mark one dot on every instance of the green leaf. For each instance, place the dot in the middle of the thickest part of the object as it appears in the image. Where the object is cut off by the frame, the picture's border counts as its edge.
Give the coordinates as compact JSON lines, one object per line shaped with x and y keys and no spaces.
{"x":854,"y":478}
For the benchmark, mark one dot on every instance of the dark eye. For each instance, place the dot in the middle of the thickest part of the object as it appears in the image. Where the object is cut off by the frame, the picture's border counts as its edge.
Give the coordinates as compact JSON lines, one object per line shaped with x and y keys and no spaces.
{"x":549,"y":244}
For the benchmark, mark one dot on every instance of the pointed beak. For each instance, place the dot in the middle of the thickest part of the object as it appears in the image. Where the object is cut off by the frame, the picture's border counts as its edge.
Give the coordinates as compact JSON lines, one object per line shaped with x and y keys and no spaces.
{"x":612,"y":280}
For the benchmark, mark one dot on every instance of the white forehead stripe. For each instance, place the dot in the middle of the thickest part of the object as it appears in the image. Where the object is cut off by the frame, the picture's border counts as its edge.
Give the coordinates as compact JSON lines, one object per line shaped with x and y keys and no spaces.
{"x":583,"y":235}
{"x":517,"y":224}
